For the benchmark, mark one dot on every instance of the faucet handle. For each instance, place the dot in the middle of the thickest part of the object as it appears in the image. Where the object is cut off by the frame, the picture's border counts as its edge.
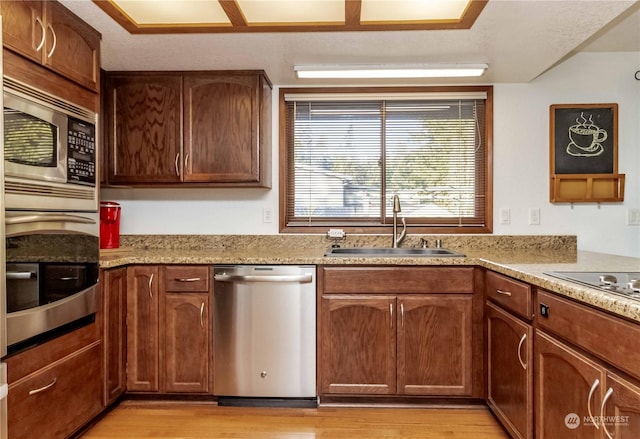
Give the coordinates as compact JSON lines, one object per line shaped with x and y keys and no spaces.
{"x":424,"y":243}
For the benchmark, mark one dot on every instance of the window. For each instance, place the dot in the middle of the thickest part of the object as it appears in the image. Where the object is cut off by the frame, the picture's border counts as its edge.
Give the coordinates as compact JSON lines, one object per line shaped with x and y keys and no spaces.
{"x":346,"y":153}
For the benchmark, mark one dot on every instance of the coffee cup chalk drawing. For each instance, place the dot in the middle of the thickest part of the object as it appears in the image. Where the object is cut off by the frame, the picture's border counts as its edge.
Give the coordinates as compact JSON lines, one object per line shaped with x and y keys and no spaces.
{"x":583,"y":139}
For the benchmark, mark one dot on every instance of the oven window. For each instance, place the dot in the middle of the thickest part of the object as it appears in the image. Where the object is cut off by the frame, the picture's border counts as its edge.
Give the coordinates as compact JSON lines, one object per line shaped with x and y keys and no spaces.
{"x":29,"y":140}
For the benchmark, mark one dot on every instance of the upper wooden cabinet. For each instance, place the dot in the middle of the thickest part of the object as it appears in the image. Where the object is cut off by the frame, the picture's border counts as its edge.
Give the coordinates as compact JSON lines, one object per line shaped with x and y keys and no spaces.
{"x":49,"y":34}
{"x":143,"y":116}
{"x":188,"y":128}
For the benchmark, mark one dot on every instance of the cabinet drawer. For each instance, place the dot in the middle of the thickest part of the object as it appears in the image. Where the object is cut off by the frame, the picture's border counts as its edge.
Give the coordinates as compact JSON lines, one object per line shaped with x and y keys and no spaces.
{"x":510,"y":294}
{"x":395,"y":280}
{"x":614,"y":340}
{"x":58,"y":399}
{"x":187,"y":278}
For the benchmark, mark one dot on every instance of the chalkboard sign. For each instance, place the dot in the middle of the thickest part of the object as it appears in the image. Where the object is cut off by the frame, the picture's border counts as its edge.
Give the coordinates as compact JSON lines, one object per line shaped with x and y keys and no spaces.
{"x":584,"y":139}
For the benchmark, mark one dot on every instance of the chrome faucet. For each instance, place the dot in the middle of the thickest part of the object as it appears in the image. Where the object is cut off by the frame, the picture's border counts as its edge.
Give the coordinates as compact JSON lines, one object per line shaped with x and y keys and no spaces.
{"x":396,"y":240}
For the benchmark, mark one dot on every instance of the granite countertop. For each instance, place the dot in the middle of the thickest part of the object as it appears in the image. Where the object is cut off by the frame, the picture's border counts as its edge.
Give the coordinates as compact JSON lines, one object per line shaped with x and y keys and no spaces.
{"x":527,"y":264}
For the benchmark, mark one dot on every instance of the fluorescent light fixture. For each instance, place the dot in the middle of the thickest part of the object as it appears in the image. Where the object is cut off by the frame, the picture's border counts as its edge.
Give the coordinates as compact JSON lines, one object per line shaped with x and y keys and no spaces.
{"x":390,"y":71}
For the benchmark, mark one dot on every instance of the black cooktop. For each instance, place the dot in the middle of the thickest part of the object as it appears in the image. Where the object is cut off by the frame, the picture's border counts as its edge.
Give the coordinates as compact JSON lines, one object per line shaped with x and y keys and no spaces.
{"x":625,"y":283}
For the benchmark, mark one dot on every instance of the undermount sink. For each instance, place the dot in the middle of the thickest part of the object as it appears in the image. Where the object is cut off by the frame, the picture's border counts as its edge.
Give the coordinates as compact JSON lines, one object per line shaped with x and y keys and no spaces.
{"x":388,"y":252}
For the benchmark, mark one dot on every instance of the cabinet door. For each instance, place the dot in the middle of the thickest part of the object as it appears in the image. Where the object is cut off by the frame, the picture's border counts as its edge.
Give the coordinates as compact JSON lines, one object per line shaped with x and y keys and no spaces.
{"x":143,"y":120}
{"x":510,"y":371}
{"x":222,"y":116}
{"x":434,"y":344}
{"x":358,"y":346}
{"x":23,"y":28}
{"x":115,"y":312}
{"x":72,"y":47}
{"x":58,"y":399}
{"x":186,"y":342}
{"x":621,"y":408}
{"x":568,"y":391}
{"x":142,"y":329}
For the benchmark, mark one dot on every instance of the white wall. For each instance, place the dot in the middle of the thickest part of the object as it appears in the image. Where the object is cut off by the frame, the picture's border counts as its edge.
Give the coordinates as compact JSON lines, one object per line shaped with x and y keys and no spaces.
{"x":521,"y":167}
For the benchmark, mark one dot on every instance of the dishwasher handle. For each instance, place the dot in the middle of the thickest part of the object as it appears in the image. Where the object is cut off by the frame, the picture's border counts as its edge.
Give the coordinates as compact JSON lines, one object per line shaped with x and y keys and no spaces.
{"x":300,"y":278}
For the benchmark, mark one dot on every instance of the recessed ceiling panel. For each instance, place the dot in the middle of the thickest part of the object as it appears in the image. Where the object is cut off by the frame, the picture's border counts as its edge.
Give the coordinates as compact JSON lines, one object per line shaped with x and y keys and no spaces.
{"x":412,"y":11}
{"x":274,"y":12}
{"x":149,"y":12}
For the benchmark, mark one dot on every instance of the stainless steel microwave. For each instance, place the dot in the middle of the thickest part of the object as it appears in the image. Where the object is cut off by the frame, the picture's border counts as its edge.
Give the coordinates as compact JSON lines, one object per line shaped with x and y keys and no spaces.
{"x":50,"y":151}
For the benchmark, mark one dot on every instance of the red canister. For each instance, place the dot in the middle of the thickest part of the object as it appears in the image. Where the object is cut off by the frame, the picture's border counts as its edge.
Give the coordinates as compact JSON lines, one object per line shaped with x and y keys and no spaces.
{"x":109,"y":224}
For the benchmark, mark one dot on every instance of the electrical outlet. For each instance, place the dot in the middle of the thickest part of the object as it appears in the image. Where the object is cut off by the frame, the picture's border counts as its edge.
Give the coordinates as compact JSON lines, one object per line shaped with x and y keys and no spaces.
{"x":633,"y":217}
{"x":534,"y":216}
{"x":336,"y":233}
{"x":267,"y":215}
{"x":505,"y":215}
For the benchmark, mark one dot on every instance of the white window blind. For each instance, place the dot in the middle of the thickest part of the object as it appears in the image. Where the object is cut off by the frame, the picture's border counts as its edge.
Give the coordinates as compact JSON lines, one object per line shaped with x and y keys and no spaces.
{"x":346,"y":158}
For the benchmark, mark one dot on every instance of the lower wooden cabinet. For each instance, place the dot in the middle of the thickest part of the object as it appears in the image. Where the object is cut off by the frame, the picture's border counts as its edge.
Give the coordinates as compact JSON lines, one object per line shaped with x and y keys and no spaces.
{"x":168,"y":329}
{"x":418,"y":344}
{"x":510,"y":371}
{"x":577,"y":397}
{"x":114,"y":296}
{"x":58,"y":399}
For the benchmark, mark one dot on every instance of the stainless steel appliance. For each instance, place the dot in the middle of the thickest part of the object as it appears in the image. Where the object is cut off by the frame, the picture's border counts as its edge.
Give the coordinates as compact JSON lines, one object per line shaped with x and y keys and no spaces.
{"x":4,"y":387}
{"x":49,"y":151}
{"x":625,"y":284}
{"x":51,"y":273}
{"x":265,"y":334}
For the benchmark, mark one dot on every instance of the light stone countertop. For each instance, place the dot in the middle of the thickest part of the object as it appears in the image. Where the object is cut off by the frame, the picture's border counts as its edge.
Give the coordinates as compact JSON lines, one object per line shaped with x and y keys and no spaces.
{"x":526,"y":263}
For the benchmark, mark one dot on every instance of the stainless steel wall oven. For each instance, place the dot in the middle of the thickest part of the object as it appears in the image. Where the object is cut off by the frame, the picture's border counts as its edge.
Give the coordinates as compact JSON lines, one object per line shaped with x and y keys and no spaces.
{"x":51,"y":272}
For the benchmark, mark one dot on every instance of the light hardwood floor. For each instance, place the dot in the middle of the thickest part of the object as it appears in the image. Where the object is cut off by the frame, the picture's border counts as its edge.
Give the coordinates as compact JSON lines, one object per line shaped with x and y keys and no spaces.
{"x":186,"y":421}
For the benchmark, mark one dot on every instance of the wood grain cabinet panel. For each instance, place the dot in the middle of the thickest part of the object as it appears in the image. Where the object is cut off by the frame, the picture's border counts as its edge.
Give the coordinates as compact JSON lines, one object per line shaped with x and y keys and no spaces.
{"x":143,"y":355}
{"x":188,"y":128}
{"x":434,"y":344}
{"x":49,"y":34}
{"x":621,"y":408}
{"x":186,"y":339}
{"x":510,"y":371}
{"x":57,"y":400}
{"x":393,"y":342}
{"x":114,"y":296}
{"x":222,"y":117}
{"x":169,"y":329}
{"x":143,"y":120}
{"x":358,"y":351}
{"x":567,"y":384}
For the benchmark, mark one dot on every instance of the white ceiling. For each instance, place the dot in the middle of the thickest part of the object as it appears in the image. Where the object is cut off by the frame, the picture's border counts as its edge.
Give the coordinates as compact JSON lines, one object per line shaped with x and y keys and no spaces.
{"x":518,"y":39}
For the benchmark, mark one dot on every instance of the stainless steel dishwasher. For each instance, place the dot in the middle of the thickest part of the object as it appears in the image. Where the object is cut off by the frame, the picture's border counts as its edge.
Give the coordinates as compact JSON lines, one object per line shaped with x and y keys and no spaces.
{"x":265,"y":335}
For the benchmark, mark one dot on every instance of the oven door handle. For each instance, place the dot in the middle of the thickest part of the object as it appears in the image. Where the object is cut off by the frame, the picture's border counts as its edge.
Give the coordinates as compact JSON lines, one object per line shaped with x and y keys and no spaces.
{"x":20,"y":275}
{"x":25,"y":219}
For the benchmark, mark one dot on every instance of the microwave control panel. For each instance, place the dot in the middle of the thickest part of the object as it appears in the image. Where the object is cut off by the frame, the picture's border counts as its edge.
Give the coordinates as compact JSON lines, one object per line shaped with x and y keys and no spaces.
{"x":81,"y":152}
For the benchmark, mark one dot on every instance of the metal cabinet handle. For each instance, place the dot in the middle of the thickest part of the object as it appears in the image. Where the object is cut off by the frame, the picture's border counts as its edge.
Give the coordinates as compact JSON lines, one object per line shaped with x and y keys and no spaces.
{"x":150,"y":282}
{"x":176,"y":164}
{"x":39,"y":21}
{"x":522,"y":363}
{"x":43,"y":388}
{"x":68,"y":278}
{"x":604,"y":402}
{"x":55,"y":41}
{"x":402,"y":314}
{"x":594,"y":386}
{"x":187,"y":279}
{"x":187,"y":163}
{"x":391,"y":314}
{"x":504,"y":293}
{"x":20,"y":275}
{"x":202,"y":315}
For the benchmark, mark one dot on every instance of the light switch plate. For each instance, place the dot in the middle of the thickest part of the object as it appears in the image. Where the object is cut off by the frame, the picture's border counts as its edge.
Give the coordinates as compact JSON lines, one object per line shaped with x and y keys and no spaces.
{"x":633,"y":217}
{"x":505,"y":215}
{"x":534,"y":216}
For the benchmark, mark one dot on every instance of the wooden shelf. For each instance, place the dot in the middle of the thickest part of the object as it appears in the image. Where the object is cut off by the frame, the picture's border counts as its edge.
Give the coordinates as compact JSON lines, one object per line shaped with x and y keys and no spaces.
{"x":587,"y":188}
